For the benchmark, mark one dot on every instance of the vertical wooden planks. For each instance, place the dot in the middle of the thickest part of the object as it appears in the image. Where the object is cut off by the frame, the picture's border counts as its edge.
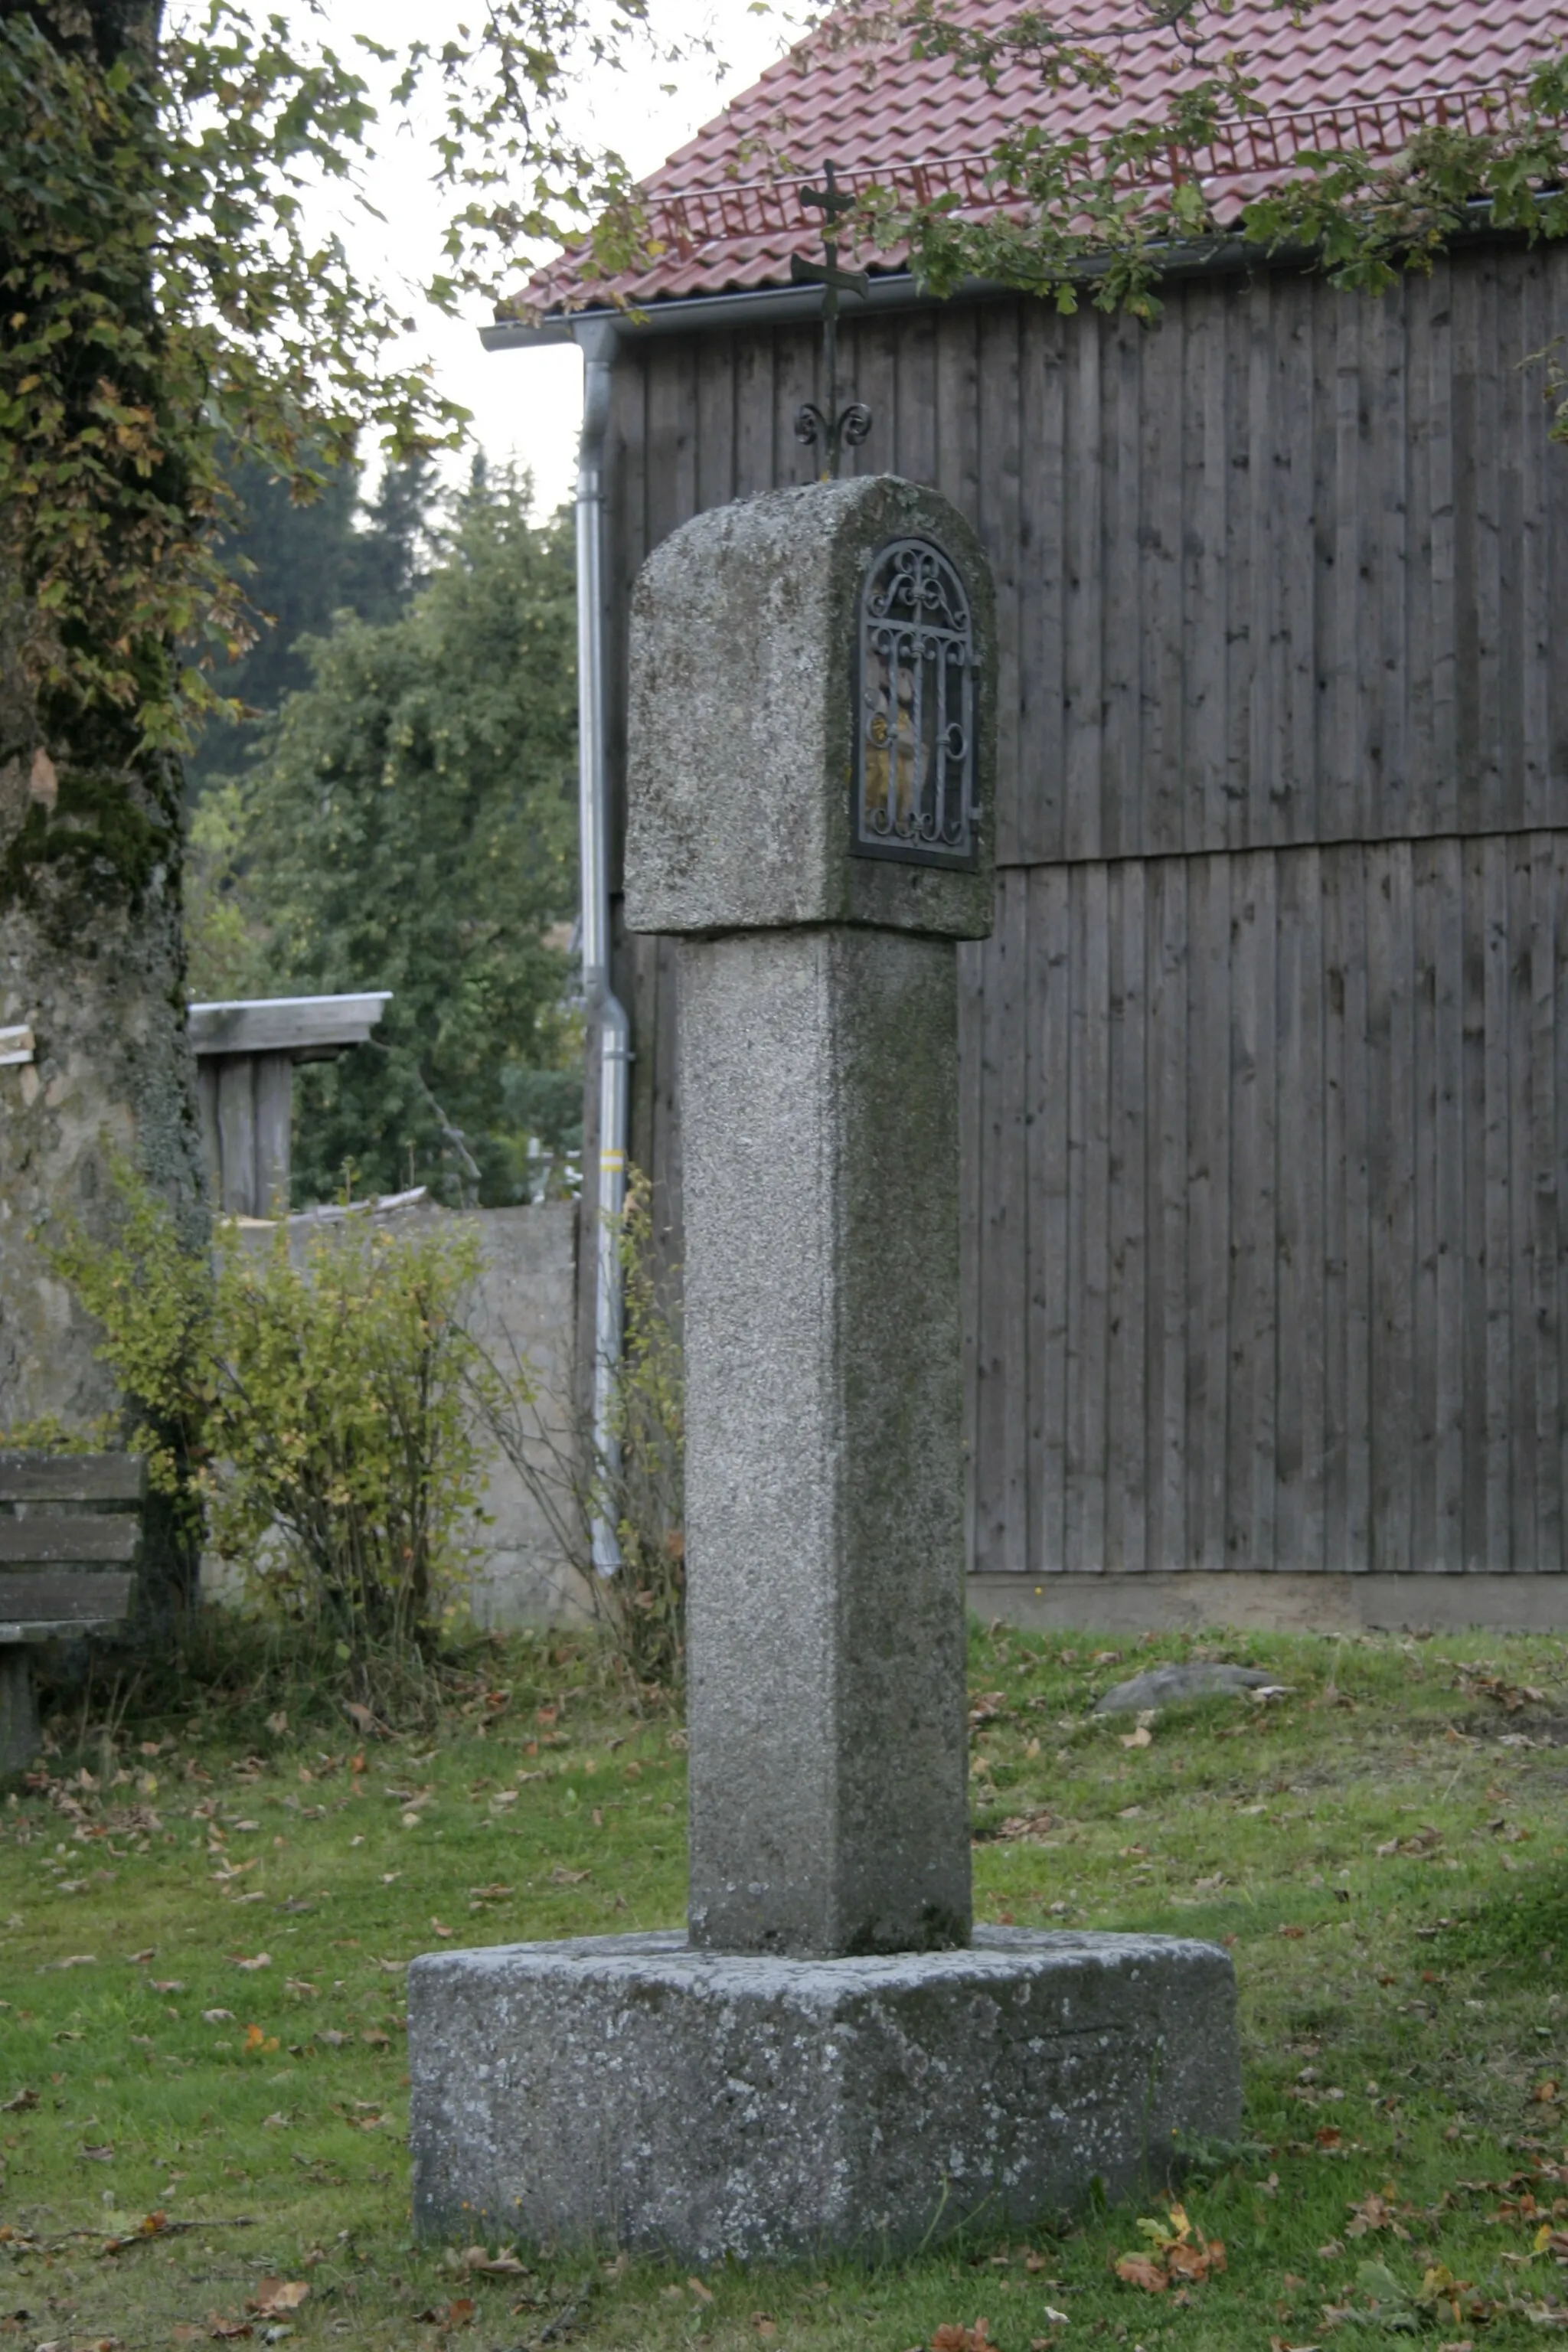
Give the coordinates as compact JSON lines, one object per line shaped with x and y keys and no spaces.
{"x":870,"y":348}
{"x":1384,"y":580}
{"x":955,"y":461}
{"x":1391,"y":1138}
{"x":1554,"y":1281}
{"x":670,"y":490}
{"x":795,"y":352}
{"x":1303,"y":1117}
{"x":1118,"y":719}
{"x":1478,"y":580}
{"x":1503,"y":405}
{"x":274,"y":1132}
{"x":1427,"y":890}
{"x":1169,"y":1284}
{"x":1294,"y":549}
{"x":1001,"y":1467}
{"x":1208,"y":1208}
{"x":753,"y":359}
{"x":1359,"y":1401}
{"x":1524,"y":1338}
{"x":1473,"y":1117}
{"x":1127,"y":1303}
{"x":1163,"y":810}
{"x":1296,"y":1279}
{"x":1041,"y":792}
{"x":1088,"y":1155}
{"x":998,"y":490}
{"x":1339,"y":540}
{"x":1554,"y":568}
{"x":972,"y":1177}
{"x":713,"y":457}
{"x":1447,"y":948}
{"x":1082,"y":590}
{"x":236,"y":1133}
{"x":1271,"y":515}
{"x":1247,"y":815}
{"x":1496,"y":1135}
{"x":1203,"y":666}
{"x":1266,"y":763}
{"x":1290,"y":1171}
{"x":1336,"y":1239}
{"x":625,"y":532}
{"x":1544,"y":1238}
{"x":1441,"y":811}
{"x":1274,"y":1130}
{"x":916,"y":443}
{"x":1048,"y":1013}
{"x":1531,"y":632}
{"x":207,"y":1111}
{"x":670,"y":493}
{"x":1250,"y":1473}
{"x":1416,"y":684}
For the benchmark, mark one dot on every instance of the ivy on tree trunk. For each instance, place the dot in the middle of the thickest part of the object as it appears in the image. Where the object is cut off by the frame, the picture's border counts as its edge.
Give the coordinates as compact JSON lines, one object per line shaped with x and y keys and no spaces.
{"x":90,"y":953}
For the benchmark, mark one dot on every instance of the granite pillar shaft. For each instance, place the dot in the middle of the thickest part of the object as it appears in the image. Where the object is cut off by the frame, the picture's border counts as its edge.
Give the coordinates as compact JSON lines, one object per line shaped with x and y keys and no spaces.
{"x":825,"y":1471}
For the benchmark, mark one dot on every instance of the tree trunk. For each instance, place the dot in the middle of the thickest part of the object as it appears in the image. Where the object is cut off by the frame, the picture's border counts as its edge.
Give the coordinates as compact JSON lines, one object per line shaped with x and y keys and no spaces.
{"x":92,"y":961}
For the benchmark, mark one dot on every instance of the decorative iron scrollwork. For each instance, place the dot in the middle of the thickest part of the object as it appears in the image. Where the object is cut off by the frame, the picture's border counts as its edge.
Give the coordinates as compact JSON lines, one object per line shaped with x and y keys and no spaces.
{"x":845,"y":431}
{"x":836,"y":429}
{"x":916,"y":718}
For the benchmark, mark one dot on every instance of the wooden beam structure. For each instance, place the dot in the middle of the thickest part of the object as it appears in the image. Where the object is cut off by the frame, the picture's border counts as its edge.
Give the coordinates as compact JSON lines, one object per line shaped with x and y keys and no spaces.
{"x":246,"y":1050}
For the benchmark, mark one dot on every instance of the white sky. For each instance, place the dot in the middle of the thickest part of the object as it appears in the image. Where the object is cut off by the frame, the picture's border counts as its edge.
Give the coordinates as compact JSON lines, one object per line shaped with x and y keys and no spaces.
{"x":527,"y":404}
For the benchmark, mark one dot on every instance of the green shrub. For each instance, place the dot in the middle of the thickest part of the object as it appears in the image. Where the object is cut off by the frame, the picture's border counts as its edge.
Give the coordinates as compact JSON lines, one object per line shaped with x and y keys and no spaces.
{"x":311,"y":1399}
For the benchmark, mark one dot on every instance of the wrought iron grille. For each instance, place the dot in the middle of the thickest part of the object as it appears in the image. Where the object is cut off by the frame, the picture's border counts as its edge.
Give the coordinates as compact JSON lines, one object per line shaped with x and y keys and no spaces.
{"x":915,"y":796}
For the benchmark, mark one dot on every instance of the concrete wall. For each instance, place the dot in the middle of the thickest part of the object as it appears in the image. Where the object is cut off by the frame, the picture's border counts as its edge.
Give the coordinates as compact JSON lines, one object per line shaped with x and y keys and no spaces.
{"x":525,"y":1305}
{"x":522,"y":1313}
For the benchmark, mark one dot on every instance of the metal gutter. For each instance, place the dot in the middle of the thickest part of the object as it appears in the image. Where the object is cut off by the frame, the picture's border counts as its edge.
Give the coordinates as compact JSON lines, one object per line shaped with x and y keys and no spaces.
{"x":767,"y":306}
{"x":782,"y":306}
{"x":900,"y":289}
{"x":598,"y":340}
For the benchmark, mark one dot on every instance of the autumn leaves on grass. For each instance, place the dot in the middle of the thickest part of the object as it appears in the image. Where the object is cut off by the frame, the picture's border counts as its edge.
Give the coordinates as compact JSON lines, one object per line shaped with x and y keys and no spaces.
{"x":1175,"y":2257}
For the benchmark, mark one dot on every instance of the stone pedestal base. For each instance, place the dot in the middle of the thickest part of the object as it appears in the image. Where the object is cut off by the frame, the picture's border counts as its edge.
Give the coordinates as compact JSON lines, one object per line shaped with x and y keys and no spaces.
{"x":624,"y":2090}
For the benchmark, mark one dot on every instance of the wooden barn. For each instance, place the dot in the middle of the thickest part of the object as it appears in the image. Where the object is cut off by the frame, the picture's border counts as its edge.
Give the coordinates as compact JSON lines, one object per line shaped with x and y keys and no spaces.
{"x":1266,"y":1065}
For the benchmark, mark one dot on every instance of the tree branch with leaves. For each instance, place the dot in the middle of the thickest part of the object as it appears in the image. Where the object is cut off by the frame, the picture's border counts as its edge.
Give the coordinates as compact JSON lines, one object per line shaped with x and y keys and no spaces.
{"x":1100,"y":215}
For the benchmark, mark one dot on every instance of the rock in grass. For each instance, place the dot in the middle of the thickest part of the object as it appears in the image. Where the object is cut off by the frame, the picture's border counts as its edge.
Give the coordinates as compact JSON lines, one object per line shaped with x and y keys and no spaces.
{"x":1169,"y":1685}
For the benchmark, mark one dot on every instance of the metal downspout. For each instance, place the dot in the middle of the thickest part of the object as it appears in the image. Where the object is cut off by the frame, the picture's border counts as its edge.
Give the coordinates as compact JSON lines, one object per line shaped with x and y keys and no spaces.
{"x":597,"y":339}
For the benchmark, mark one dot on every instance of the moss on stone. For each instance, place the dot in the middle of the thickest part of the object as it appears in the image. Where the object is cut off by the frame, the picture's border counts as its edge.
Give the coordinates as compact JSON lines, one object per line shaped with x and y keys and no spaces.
{"x":97,"y":839}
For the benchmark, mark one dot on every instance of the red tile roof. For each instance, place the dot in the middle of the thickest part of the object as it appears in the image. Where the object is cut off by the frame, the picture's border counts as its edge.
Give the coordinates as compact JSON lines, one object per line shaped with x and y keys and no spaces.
{"x":727,"y":204}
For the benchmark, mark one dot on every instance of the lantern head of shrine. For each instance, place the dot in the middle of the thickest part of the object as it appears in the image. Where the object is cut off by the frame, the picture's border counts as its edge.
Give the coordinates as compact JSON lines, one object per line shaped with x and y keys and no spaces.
{"x":829,"y":754}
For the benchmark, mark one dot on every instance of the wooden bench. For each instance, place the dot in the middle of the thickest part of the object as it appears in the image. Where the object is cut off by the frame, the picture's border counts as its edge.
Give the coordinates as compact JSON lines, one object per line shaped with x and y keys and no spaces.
{"x":70,"y":1527}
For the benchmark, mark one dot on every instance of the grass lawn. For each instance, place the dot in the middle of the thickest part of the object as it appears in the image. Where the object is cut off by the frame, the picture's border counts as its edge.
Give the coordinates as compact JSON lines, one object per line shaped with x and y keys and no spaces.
{"x":205,"y":1924}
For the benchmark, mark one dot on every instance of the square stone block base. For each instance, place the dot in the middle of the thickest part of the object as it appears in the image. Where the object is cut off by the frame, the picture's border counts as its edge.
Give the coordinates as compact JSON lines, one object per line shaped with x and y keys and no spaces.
{"x":626,"y":2090}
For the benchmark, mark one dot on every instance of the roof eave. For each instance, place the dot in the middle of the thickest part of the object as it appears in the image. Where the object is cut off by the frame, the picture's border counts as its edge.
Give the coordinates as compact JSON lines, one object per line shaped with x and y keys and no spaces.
{"x":770,"y":305}
{"x":774,"y":306}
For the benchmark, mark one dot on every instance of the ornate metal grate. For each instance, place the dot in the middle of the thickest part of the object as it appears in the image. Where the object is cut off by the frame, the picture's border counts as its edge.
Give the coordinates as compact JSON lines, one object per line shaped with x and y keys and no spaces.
{"x":914,"y":787}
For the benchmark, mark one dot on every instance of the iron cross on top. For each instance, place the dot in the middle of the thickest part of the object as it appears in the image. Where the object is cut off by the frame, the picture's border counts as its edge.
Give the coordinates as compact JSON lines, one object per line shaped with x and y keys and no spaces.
{"x":834,"y":427}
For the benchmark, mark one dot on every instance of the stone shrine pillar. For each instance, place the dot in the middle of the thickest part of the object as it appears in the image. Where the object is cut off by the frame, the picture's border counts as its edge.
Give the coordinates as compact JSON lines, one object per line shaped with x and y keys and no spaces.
{"x":812,"y":723}
{"x":830,"y":2058}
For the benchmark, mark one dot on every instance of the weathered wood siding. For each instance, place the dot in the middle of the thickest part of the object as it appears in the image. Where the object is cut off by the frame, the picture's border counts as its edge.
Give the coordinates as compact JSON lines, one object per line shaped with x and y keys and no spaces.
{"x":1277,"y":1134}
{"x":1267,"y":1066}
